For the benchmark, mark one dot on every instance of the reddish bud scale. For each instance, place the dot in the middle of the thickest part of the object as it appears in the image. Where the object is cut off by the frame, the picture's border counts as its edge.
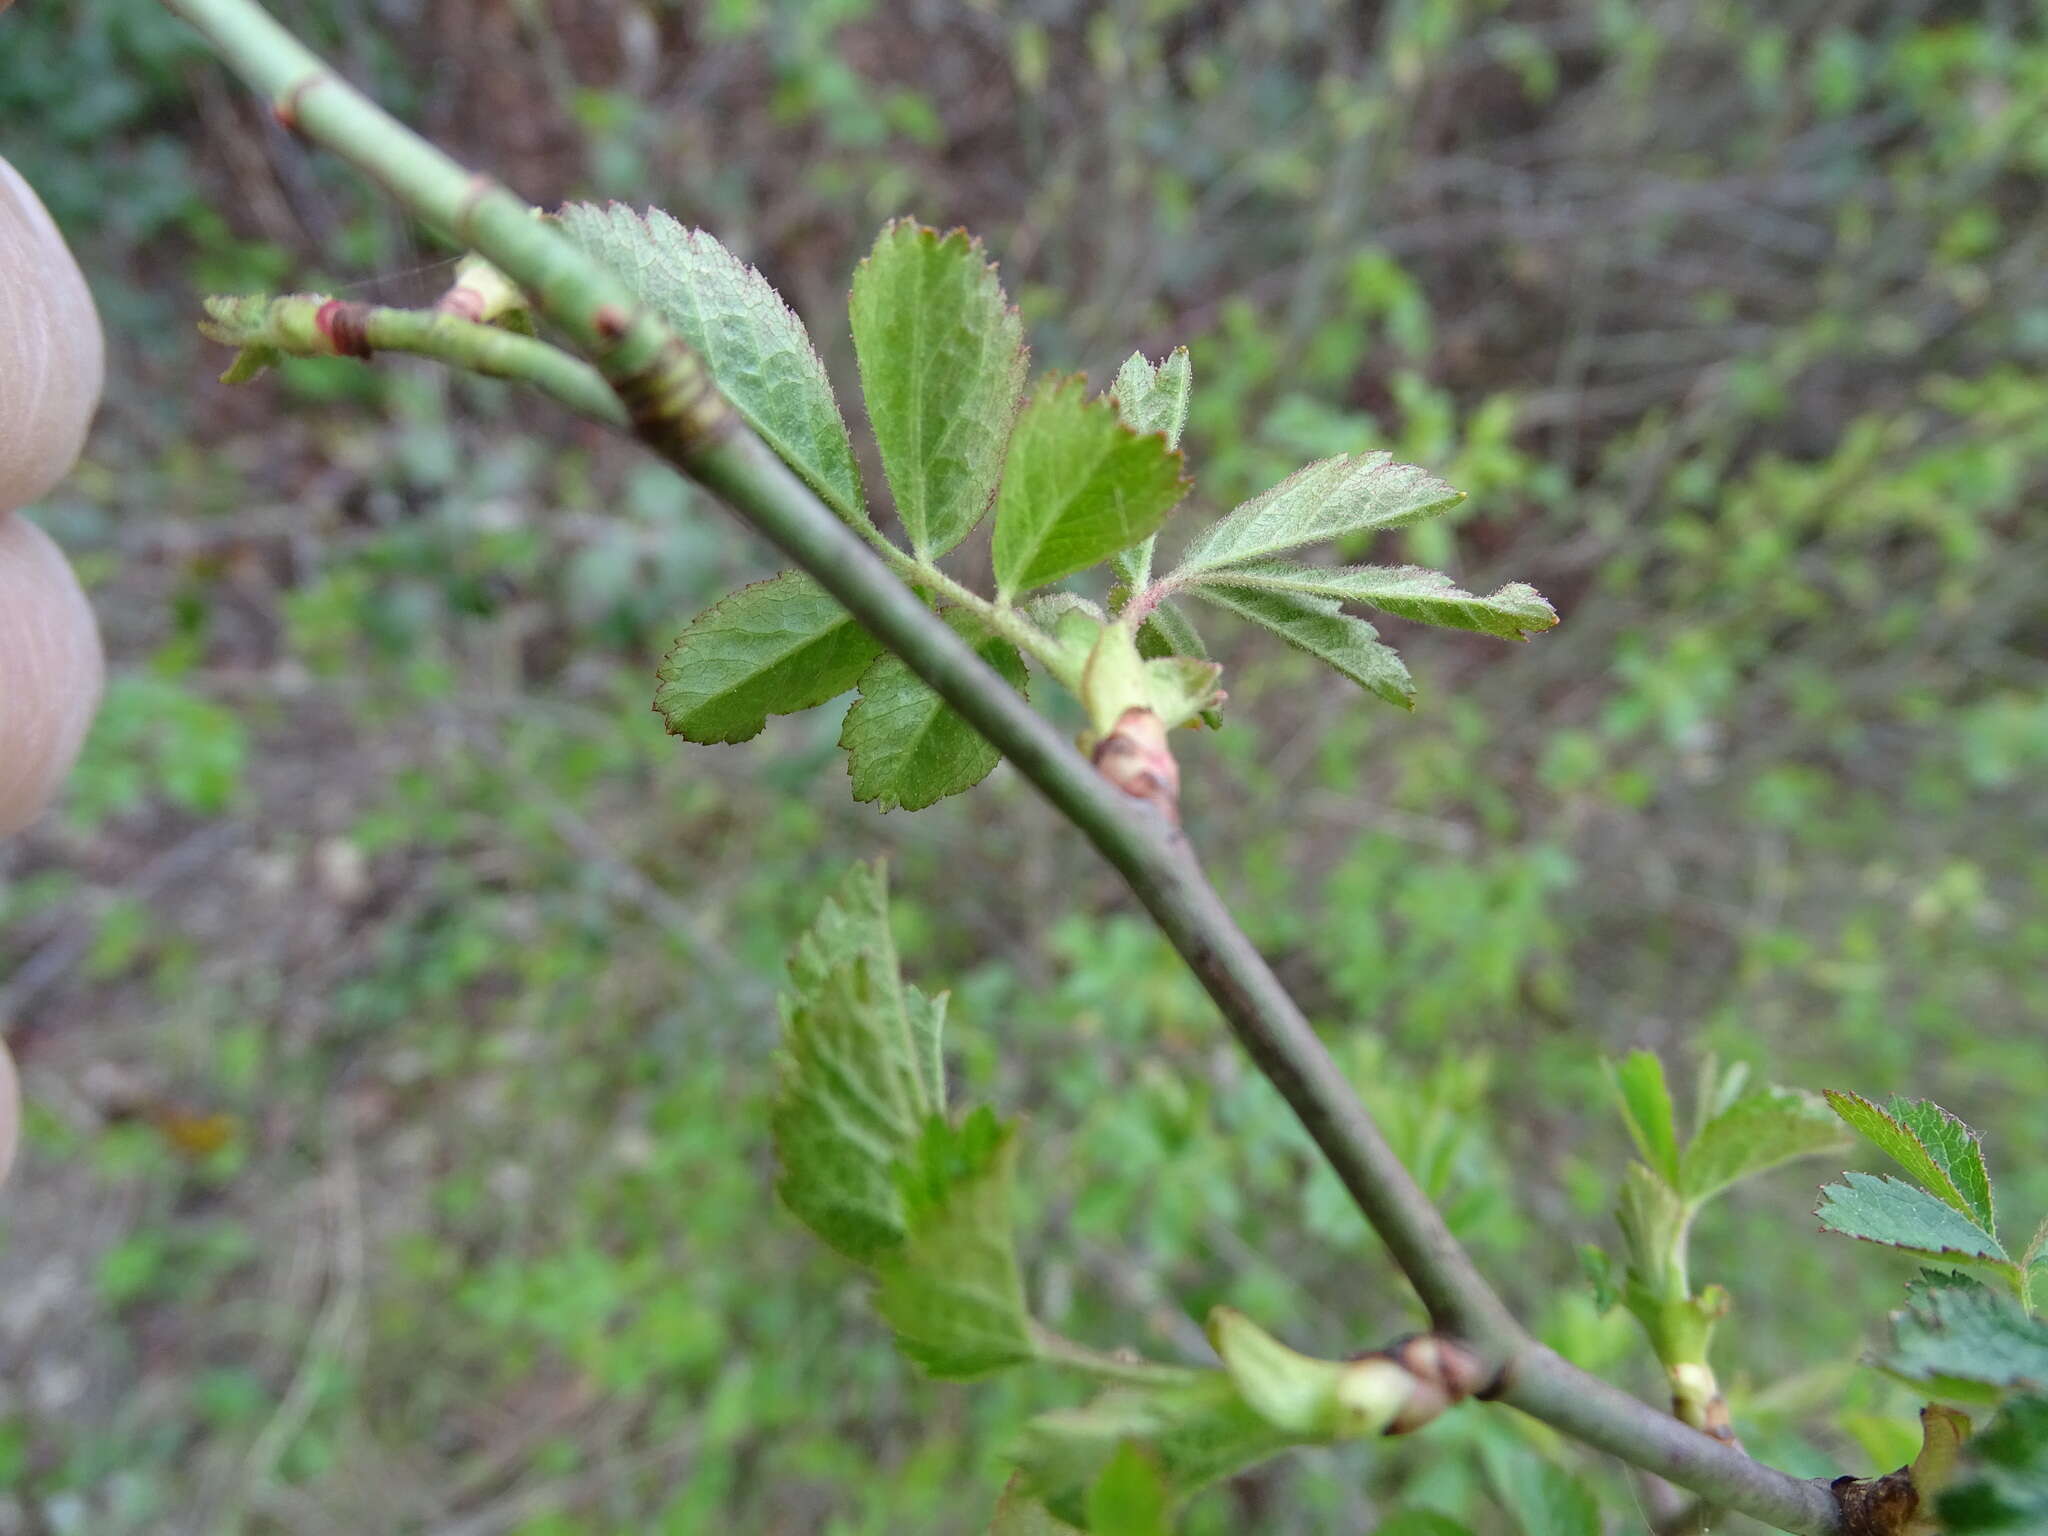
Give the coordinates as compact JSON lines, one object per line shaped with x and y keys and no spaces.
{"x":345,"y":325}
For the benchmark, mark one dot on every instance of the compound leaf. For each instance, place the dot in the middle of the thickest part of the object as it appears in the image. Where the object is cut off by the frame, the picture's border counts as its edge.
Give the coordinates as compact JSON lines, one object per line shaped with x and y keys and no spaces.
{"x":1352,"y":493}
{"x":941,"y":356}
{"x":1513,"y":612}
{"x":1316,"y":625}
{"x":905,"y":745}
{"x":854,"y":1075}
{"x":1882,"y":1209}
{"x":772,"y":648}
{"x":953,"y":1292}
{"x":757,"y":350}
{"x":1079,"y":487}
{"x":1756,"y":1132}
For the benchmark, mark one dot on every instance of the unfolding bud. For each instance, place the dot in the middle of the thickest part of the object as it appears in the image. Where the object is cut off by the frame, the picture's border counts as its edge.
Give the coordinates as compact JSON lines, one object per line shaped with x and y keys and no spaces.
{"x":1135,"y":758}
{"x":1388,"y":1392}
{"x":52,"y":356}
{"x":1445,"y":1374}
{"x":482,"y":293}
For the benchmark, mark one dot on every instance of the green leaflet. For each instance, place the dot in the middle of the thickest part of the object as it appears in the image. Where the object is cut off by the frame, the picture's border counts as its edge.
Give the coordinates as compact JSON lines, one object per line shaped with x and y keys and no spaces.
{"x":1079,"y":487}
{"x":1646,"y":1107}
{"x":757,"y":350}
{"x":942,"y":364}
{"x":1756,"y":1132}
{"x":1514,"y":612}
{"x":855,"y":1085}
{"x":1891,"y":1211}
{"x":1154,"y":397}
{"x":1903,"y":1145}
{"x":1318,"y":626}
{"x":905,"y":745}
{"x":1957,"y":1148}
{"x":953,"y":1292}
{"x":1955,"y":1330}
{"x":772,"y":648}
{"x":1352,"y":493}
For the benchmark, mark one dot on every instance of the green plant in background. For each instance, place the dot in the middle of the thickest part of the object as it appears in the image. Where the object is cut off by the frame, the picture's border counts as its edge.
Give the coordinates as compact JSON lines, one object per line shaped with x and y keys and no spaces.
{"x":1675,"y":688}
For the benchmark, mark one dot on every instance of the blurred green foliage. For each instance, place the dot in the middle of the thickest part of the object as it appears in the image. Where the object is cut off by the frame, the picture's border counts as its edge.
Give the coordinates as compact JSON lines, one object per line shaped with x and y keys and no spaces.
{"x":394,"y":1000}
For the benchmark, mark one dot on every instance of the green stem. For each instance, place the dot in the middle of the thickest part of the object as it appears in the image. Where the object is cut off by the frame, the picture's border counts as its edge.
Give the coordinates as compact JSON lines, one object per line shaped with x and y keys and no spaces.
{"x":312,"y":325}
{"x":675,"y":410}
{"x":1057,"y":1349}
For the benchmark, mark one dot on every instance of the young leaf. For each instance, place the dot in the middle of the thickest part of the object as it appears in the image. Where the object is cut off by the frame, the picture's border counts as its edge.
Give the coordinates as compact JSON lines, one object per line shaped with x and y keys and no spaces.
{"x":1168,"y":633}
{"x":1078,"y":487}
{"x":1956,"y":1147}
{"x":1514,"y":612}
{"x":1899,"y":1143}
{"x":773,"y":648}
{"x":2004,"y":1491}
{"x":757,"y":350}
{"x":1303,"y":1397}
{"x":1352,"y":493}
{"x":1646,"y":1107}
{"x":952,"y":1292}
{"x":1316,"y":625}
{"x":1717,"y":1088}
{"x":1154,"y":398}
{"x":1199,"y":1431}
{"x":1955,"y":1330}
{"x":905,"y":745}
{"x":854,"y":1091}
{"x":941,"y":358}
{"x":1754,"y":1133}
{"x":1891,"y":1211}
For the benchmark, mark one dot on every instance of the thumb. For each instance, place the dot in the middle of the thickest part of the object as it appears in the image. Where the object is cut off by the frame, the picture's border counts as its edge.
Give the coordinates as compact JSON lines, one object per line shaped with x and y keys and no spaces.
{"x":51,"y":362}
